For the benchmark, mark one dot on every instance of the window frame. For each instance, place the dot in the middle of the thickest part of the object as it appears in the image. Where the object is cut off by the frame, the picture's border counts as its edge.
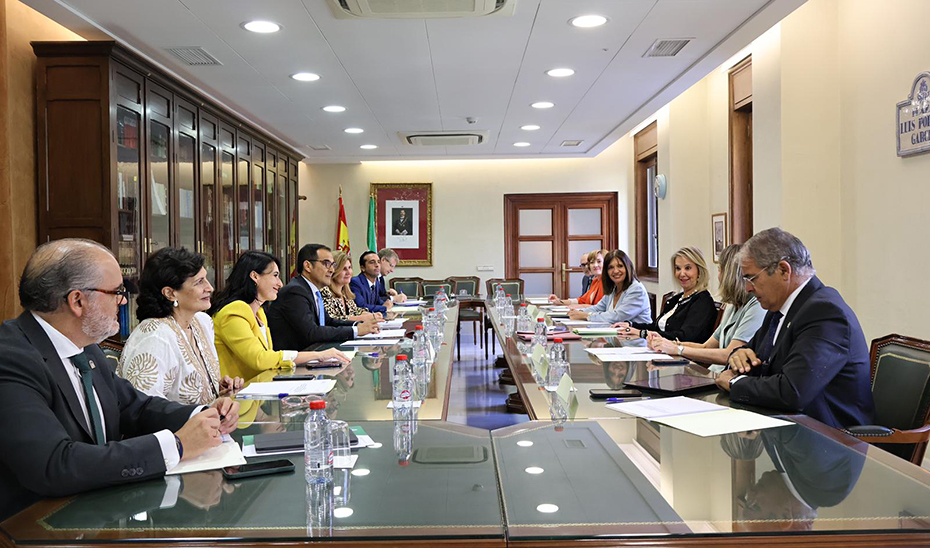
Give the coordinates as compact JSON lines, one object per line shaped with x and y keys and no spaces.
{"x":646,"y":155}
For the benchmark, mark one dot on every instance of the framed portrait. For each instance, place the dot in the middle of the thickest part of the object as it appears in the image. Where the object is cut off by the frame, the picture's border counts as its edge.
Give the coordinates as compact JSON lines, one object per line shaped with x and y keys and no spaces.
{"x":718,"y":222}
{"x":404,"y":220}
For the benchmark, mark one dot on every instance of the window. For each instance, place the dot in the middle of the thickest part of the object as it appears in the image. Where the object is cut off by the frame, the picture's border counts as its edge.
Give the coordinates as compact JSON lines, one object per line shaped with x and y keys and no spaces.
{"x":740,"y":116}
{"x":645,"y":146}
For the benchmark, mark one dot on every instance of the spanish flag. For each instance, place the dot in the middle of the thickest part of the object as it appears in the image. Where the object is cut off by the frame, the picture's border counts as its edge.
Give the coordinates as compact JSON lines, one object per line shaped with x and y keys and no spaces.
{"x":342,"y":227}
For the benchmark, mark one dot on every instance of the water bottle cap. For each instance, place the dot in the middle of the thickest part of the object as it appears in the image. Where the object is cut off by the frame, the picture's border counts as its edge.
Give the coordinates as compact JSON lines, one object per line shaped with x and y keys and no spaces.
{"x":403,"y":462}
{"x":318,"y":404}
{"x":401,"y":356}
{"x":540,"y":319}
{"x":418,"y":327}
{"x":522,"y":304}
{"x":508,"y":294}
{"x":432,"y":309}
{"x":558,"y":340}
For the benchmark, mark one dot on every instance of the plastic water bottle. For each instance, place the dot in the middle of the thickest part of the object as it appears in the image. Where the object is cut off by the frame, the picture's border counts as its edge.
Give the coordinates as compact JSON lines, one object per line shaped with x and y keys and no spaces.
{"x":539,"y":335}
{"x":498,"y":296}
{"x":439,"y":301}
{"x":318,"y":449}
{"x":557,"y":351}
{"x":557,"y":411}
{"x":508,"y":305}
{"x":557,"y":368}
{"x":524,"y":322}
{"x":421,"y":361}
{"x":404,"y":389}
{"x":405,"y":419}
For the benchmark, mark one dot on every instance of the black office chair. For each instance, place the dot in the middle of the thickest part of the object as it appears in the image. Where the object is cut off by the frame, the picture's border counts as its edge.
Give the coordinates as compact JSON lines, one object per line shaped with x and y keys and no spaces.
{"x":901,"y":390}
{"x":470,"y":285}
{"x":408,"y":286}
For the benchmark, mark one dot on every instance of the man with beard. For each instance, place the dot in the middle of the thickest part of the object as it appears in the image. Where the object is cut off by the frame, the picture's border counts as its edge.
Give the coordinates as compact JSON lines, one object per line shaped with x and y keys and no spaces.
{"x":68,"y":423}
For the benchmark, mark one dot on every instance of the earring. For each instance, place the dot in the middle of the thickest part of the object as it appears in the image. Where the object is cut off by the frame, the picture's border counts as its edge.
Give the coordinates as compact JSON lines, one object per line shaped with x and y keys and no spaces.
{"x":175,"y":304}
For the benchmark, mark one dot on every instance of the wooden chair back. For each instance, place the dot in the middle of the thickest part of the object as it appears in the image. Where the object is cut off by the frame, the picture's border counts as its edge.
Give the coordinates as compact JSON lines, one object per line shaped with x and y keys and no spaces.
{"x":514,"y":288}
{"x":408,"y":286}
{"x":471,"y":284}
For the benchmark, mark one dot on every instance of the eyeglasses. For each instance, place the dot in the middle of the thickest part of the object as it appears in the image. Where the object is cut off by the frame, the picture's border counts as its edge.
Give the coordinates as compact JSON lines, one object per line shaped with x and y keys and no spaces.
{"x":121,"y":291}
{"x":751,"y":279}
{"x":327,"y":264}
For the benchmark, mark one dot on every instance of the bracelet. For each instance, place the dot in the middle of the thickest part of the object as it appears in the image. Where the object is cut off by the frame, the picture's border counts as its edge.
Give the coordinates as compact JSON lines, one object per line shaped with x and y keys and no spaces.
{"x":177,"y":441}
{"x":643,"y":333}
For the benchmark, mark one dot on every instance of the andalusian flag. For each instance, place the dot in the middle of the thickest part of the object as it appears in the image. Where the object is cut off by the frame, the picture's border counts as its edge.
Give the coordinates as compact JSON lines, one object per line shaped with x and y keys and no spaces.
{"x":372,"y":240}
{"x":342,"y":228}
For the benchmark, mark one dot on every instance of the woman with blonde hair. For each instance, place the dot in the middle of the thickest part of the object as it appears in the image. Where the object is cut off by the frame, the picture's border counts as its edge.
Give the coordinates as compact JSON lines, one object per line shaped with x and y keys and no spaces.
{"x":688,"y":316}
{"x":741,"y":319}
{"x":338,"y":298}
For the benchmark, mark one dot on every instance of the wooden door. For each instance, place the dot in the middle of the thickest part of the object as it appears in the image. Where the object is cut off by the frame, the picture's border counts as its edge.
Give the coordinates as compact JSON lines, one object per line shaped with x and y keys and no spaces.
{"x":546,"y":234}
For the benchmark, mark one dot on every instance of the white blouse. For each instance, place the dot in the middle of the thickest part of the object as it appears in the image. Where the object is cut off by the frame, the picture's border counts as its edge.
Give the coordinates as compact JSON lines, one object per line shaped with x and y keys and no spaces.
{"x":160,"y":360}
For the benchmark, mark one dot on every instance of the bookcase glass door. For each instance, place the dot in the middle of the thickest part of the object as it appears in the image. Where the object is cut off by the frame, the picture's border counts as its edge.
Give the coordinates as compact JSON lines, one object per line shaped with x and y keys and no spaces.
{"x":128,"y":189}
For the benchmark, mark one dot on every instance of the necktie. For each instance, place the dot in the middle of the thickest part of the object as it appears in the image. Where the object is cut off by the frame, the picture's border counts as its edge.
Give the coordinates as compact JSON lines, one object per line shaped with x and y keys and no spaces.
{"x":765,"y":349}
{"x":319,"y":308}
{"x":82,"y":362}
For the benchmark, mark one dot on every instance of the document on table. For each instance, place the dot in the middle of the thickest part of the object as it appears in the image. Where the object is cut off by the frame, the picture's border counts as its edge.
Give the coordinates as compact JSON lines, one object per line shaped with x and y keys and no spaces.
{"x":371,"y":342}
{"x":404,"y":310}
{"x":385,"y":334}
{"x":571,"y":323}
{"x":537,"y":300}
{"x":664,"y":407}
{"x":289,"y":388}
{"x":221,"y":456}
{"x":411,"y":302}
{"x":619,"y":350}
{"x":641,"y":357}
{"x":726,"y":421}
{"x":595,"y":331}
{"x":349,"y":354}
{"x":393,"y":324}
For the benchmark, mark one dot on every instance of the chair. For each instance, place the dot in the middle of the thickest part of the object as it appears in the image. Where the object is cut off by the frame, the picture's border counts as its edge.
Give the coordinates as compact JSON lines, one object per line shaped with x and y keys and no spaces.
{"x":470,"y":285}
{"x":652,"y":304}
{"x":665,"y":299}
{"x":514,"y":288}
{"x":408,"y":286}
{"x":901,"y":390}
{"x":113,"y":351}
{"x":430,"y":287}
{"x":720,"y":307}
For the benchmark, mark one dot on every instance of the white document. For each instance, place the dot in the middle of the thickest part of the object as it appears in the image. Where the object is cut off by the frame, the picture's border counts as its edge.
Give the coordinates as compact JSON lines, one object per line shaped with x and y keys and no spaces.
{"x":404,"y":310}
{"x":538,"y":300}
{"x":619,"y":350}
{"x":409,"y":303}
{"x":371,"y":342}
{"x":225,"y":454}
{"x":632,"y":357}
{"x":288,"y":388}
{"x":345,"y":462}
{"x":664,"y":407}
{"x":576,"y":323}
{"x":349,"y":353}
{"x":717,"y":423}
{"x":393,"y":324}
{"x":416,"y":404}
{"x":385,"y":334}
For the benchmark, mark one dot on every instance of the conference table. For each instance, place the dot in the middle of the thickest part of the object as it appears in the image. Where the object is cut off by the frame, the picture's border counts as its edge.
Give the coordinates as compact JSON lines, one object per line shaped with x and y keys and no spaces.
{"x":578,"y":474}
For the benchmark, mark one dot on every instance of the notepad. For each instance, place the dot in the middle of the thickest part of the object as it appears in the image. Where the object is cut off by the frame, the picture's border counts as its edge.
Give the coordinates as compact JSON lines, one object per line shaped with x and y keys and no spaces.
{"x":595,"y":331}
{"x":642,"y":357}
{"x":385,"y":334}
{"x":619,"y":350}
{"x":393,"y":324}
{"x":371,"y":342}
{"x":289,"y":388}
{"x":576,"y":323}
{"x":226,"y":454}
{"x":665,"y":407}
{"x":725,"y":421}
{"x":537,"y":300}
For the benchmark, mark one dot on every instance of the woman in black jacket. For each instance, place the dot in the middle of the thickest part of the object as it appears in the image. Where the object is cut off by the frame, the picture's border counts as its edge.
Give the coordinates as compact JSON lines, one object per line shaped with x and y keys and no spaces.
{"x":688,"y":316}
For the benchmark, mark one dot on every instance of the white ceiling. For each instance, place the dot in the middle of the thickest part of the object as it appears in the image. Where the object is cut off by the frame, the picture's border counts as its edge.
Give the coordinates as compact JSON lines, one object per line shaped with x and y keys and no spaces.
{"x":429,"y":75}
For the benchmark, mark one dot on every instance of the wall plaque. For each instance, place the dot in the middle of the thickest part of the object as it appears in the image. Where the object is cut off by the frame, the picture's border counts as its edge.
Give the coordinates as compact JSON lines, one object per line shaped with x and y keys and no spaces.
{"x":914,"y":118}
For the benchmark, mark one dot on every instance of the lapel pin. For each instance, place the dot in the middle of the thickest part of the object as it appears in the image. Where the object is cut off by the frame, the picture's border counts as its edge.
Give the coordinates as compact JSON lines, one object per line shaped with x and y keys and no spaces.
{"x":92,"y":364}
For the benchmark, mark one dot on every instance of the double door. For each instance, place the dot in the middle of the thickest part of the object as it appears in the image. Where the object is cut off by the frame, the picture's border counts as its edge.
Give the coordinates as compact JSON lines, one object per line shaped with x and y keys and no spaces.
{"x":546,"y":235}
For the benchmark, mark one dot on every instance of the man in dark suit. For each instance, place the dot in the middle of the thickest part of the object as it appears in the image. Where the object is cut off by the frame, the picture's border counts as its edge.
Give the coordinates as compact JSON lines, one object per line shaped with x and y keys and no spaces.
{"x":67,"y":423}
{"x":388,"y":263}
{"x":368,"y":286}
{"x":298,"y":318}
{"x":810,"y":355}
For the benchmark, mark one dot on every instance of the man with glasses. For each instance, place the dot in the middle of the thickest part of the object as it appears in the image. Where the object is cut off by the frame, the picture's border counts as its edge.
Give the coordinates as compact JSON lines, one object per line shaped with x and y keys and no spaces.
{"x":368,"y":286}
{"x":297,"y":317}
{"x":389,"y":260}
{"x":67,"y":423}
{"x":810,"y":355}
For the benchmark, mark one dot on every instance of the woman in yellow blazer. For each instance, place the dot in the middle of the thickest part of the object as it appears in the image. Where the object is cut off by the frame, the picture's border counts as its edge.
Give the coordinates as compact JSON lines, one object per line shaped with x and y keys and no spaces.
{"x":243,"y":338}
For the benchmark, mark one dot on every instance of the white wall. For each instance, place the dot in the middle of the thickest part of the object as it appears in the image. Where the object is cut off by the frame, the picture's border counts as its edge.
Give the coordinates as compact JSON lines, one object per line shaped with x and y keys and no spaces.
{"x":468,"y":201}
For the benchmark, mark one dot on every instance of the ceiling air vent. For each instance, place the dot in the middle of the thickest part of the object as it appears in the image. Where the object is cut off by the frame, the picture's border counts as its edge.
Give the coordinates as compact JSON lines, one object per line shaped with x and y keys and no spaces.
{"x":443,"y":138}
{"x":418,"y":9}
{"x":571,"y":143}
{"x":667,"y":48}
{"x":195,"y":56}
{"x":320,"y":147}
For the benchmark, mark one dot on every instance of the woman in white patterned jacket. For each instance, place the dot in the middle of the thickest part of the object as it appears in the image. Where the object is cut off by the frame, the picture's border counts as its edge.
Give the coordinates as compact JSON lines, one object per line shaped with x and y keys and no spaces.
{"x":171,"y":353}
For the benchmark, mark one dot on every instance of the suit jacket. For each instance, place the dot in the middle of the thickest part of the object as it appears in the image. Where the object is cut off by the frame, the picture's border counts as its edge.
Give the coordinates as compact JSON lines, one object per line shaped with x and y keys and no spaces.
{"x":295,"y":318}
{"x":366,"y":297}
{"x":819,"y":365}
{"x":242,"y":349}
{"x":693,"y":321}
{"x":46,"y":446}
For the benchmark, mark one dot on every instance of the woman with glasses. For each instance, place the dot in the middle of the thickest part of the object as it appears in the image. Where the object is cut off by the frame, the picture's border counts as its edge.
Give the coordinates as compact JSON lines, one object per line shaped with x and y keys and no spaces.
{"x":338,"y":299}
{"x":741,"y":319}
{"x":595,"y":291}
{"x":170,"y":353}
{"x":243,"y":337}
{"x":688,"y":316}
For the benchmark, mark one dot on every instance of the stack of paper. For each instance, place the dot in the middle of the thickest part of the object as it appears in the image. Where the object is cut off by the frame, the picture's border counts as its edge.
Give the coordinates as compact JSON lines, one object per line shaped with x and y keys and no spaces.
{"x":697,"y":417}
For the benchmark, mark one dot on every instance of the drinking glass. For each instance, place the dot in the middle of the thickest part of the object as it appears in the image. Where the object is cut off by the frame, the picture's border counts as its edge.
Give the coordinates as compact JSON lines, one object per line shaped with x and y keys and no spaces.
{"x":339,"y":434}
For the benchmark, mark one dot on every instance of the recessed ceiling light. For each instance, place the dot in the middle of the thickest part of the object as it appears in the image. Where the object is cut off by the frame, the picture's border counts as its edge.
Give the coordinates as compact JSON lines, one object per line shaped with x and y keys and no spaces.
{"x":261,"y":27}
{"x":525,"y":443}
{"x":368,"y":147}
{"x":354,"y":130}
{"x":334,"y":108}
{"x":305,"y":77}
{"x":342,"y":512}
{"x":560,"y":72}
{"x":529,"y":127}
{"x":588,"y":21}
{"x":547,"y":508}
{"x":534,"y":470}
{"x":521,"y":144}
{"x":542,"y":104}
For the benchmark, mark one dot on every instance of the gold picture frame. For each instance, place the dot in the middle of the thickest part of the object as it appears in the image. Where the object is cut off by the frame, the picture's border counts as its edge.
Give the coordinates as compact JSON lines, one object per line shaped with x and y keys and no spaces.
{"x":407,"y":209}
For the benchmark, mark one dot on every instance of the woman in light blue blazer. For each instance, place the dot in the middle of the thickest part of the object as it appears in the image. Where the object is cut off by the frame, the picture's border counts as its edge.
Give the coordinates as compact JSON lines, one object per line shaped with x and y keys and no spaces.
{"x":625,"y":298}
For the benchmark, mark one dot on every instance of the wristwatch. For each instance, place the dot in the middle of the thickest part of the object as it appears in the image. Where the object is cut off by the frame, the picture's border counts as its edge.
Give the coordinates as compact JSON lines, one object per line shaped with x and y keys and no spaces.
{"x":643,"y":333}
{"x":681,"y":349}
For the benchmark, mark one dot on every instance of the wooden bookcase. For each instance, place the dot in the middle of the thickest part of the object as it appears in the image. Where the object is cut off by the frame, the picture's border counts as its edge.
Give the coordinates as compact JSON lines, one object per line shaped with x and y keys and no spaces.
{"x":134,"y":159}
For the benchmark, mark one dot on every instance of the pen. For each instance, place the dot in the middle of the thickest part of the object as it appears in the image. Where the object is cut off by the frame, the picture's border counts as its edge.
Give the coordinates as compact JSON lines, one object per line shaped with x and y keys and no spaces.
{"x":370,"y":354}
{"x":618,"y":400}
